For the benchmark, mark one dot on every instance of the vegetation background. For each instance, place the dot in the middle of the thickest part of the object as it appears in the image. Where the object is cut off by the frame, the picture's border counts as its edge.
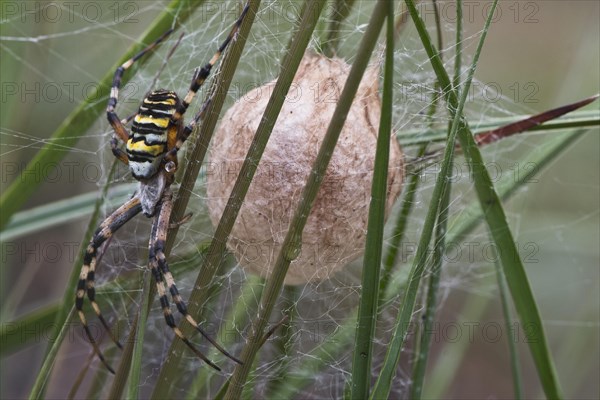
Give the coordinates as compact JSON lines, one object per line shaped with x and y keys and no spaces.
{"x":540,"y":54}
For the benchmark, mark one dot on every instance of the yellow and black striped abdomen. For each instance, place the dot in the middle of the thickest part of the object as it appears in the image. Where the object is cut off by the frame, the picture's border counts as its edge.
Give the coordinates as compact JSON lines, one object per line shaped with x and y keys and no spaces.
{"x":149,"y":139}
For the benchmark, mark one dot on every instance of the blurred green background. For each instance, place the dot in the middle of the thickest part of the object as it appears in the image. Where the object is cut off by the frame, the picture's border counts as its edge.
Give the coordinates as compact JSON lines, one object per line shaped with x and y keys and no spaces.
{"x":539,"y":55}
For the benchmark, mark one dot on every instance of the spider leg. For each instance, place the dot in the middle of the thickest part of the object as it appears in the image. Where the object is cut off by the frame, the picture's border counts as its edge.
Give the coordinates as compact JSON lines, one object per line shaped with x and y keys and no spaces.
{"x":183,"y":221}
{"x":86,"y":278}
{"x":162,"y":274}
{"x":159,"y":230}
{"x":120,"y":132}
{"x":117,"y":152}
{"x":200,"y":75}
{"x":114,"y":143}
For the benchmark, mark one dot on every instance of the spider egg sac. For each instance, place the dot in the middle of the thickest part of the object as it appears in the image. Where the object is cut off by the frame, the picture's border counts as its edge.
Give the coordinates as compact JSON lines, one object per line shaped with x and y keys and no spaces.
{"x":337,"y":225}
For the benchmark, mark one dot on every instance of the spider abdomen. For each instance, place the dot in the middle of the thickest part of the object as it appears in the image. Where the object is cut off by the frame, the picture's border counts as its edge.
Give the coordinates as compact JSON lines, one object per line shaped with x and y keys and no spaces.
{"x":152,"y":133}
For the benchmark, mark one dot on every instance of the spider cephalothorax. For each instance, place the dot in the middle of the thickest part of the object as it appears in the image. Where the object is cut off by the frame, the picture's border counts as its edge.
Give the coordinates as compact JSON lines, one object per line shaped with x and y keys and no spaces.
{"x":157,"y":134}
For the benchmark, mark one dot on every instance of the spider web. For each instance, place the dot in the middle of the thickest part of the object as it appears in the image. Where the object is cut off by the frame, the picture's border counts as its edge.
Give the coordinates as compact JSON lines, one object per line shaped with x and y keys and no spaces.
{"x":553,"y":235}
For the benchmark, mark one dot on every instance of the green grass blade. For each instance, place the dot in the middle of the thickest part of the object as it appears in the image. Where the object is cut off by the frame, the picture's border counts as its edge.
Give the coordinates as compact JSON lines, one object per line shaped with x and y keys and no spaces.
{"x":400,"y":225}
{"x":446,"y":368}
{"x":422,"y":352}
{"x":458,"y":42}
{"x":61,"y":212}
{"x":392,"y":358}
{"x":496,"y":219}
{"x":292,"y":242}
{"x":367,"y":308}
{"x":513,"y":268}
{"x":424,"y":342}
{"x":410,"y":190}
{"x":460,"y":227}
{"x":66,"y":210}
{"x":86,"y":113}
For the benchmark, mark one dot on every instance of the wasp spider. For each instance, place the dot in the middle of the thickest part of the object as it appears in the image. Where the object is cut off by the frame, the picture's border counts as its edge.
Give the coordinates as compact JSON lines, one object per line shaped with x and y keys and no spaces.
{"x":157,"y":134}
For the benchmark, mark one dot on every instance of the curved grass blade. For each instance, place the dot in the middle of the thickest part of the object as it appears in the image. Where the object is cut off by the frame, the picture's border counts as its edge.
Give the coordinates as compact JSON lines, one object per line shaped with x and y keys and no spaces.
{"x":496,"y":219}
{"x":400,"y":225}
{"x":446,"y":368}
